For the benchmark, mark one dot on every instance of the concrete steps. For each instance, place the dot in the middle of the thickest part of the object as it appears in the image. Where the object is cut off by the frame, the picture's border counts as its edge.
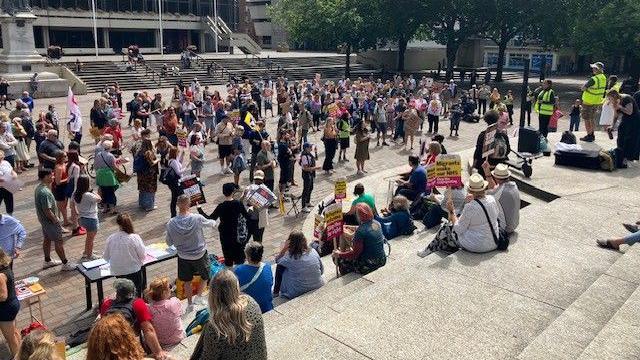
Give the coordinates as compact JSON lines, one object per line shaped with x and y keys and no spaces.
{"x":572,"y":332}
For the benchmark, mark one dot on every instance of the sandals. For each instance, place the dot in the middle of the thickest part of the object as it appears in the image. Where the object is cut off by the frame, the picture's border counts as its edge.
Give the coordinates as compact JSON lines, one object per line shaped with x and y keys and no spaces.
{"x":607,"y":244}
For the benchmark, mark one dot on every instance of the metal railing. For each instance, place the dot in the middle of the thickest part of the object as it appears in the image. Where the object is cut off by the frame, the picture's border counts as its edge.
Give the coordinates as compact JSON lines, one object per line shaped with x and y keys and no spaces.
{"x":212,"y":67}
{"x":154,"y":74}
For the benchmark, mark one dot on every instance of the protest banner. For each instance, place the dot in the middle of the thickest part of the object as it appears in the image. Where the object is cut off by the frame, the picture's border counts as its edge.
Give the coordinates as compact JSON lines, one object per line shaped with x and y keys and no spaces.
{"x":182,"y":133}
{"x":431,"y":175}
{"x":261,"y":197}
{"x":333,"y":221}
{"x":488,"y":148}
{"x":448,"y":171}
{"x":318,"y":225}
{"x":340,"y":191}
{"x":192,"y":187}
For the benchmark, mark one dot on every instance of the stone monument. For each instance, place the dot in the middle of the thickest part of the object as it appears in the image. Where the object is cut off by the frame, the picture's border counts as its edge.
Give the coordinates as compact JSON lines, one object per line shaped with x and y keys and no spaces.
{"x":19,"y":60}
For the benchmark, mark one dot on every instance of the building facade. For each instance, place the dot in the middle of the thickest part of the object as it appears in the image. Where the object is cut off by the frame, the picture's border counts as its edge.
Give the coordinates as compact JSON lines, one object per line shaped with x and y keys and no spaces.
{"x":120,"y":23}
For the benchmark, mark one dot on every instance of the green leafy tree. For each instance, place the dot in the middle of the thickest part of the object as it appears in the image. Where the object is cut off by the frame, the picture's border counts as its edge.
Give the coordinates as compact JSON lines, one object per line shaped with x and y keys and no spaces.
{"x":452,"y":22}
{"x":327,"y":23}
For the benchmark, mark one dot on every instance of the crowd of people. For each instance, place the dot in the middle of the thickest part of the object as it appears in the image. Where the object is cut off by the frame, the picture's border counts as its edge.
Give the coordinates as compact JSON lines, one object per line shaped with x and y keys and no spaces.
{"x":168,"y":140}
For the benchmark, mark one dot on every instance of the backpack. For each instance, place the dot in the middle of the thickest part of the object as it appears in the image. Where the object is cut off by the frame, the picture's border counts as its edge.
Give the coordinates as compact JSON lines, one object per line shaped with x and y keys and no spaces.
{"x":125,"y":309}
{"x":169,"y":177}
{"x":243,"y":232}
{"x":420,"y":207}
{"x":198,"y":322}
{"x":239,"y":164}
{"x":130,"y":105}
{"x":138,"y":164}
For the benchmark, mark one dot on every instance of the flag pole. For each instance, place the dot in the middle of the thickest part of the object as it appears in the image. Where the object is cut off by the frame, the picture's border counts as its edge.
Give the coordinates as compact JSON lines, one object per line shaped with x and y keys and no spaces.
{"x":161,"y":30}
{"x":95,"y":26}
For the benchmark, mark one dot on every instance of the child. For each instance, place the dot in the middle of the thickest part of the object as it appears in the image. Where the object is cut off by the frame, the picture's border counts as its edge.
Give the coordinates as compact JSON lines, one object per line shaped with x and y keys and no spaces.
{"x":574,"y":116}
{"x":166,"y":311}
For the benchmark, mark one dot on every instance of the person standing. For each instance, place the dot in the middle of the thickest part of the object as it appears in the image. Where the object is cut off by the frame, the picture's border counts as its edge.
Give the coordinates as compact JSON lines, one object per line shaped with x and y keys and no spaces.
{"x":628,"y":141}
{"x":258,"y":217}
{"x":593,"y":96}
{"x":546,"y":105}
{"x":344,"y":134}
{"x":574,"y":116}
{"x":125,"y":253}
{"x":86,"y":201}
{"x":51,"y":226}
{"x":6,"y":172}
{"x":380,"y":118}
{"x":309,"y":167}
{"x":508,"y":102}
{"x":12,"y":235}
{"x":483,"y":97}
{"x":265,"y":161}
{"x":224,"y":132}
{"x":330,"y":145}
{"x":229,"y":212}
{"x":186,"y":232}
{"x":147,"y":174}
{"x":362,"y":146}
{"x":9,"y":304}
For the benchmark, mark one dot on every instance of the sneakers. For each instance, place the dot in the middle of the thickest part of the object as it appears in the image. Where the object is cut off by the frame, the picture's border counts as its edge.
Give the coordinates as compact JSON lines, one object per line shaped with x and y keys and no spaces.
{"x":631,"y":228}
{"x":79,"y":231}
{"x":68,"y":267}
{"x":228,"y":171}
{"x":50,"y":264}
{"x":306,"y":210}
{"x":588,"y":138}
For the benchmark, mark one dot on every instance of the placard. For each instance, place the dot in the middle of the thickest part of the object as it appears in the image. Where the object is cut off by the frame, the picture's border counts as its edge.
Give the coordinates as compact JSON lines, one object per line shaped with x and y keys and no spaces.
{"x":182,"y":137}
{"x":318,"y":224}
{"x":333,"y":110}
{"x":489,"y":140}
{"x":341,"y":188}
{"x":446,"y":172}
{"x":260,"y":197}
{"x":235,"y":116}
{"x":333,"y":220}
{"x":192,"y":187}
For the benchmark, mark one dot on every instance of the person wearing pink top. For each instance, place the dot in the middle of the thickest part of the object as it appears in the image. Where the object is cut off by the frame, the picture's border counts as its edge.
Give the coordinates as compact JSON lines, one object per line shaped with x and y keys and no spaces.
{"x":166,"y":311}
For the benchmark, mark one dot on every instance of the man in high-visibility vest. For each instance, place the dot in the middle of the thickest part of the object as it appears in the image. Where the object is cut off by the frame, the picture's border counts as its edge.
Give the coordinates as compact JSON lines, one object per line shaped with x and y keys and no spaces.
{"x":545,"y":106}
{"x":593,"y":96}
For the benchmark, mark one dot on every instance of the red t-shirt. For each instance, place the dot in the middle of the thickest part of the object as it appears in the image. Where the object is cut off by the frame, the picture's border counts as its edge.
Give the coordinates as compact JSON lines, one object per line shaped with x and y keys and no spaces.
{"x":140,"y":308}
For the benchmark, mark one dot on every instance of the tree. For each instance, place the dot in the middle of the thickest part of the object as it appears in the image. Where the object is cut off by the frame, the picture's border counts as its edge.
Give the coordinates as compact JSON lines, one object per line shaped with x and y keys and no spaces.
{"x":512,"y":18}
{"x":399,"y":21}
{"x":328,"y":23}
{"x":452,"y":22}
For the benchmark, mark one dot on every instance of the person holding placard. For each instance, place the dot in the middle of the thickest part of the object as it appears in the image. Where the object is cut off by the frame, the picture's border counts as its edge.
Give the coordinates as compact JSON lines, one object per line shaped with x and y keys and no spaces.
{"x":417,"y":182}
{"x":309,"y":167}
{"x":501,"y":146}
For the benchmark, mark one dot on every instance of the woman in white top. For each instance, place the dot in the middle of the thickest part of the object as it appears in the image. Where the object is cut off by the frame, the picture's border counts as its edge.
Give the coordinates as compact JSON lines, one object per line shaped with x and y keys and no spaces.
{"x":6,"y":173}
{"x":125,"y":252}
{"x":174,"y":173}
{"x":471,"y":230}
{"x":86,"y":204}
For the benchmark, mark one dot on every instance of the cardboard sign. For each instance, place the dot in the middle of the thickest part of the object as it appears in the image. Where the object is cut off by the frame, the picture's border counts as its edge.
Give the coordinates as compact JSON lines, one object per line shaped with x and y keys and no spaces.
{"x":447,"y":172}
{"x":318,"y":225}
{"x":182,"y":137}
{"x":235,"y":116}
{"x":261,"y":197}
{"x":333,"y":220}
{"x":192,"y":187}
{"x":341,"y":189}
{"x":489,"y":140}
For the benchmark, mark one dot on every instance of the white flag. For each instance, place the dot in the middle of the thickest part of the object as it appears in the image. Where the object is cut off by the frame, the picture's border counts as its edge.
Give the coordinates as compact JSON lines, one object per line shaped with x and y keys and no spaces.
{"x":75,"y":117}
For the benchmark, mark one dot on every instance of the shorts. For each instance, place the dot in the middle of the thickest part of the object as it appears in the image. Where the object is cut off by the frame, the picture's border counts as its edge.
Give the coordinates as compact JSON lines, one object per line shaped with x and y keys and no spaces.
{"x":89,"y":224}
{"x":188,"y":268}
{"x":589,"y":113}
{"x":52,"y":232}
{"x":60,"y":192}
{"x":9,"y":310}
{"x":224,"y":151}
{"x":382,"y":127}
{"x":344,"y":143}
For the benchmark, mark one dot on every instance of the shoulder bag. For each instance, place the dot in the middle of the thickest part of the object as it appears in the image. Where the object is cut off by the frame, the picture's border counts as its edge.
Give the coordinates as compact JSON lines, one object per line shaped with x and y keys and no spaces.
{"x":502,"y":239}
{"x":254,"y":279}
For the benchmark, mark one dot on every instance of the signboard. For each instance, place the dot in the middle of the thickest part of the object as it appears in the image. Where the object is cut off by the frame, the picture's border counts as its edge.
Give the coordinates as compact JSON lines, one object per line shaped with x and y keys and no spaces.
{"x":318,"y":223}
{"x":261,"y":197}
{"x":182,"y":133}
{"x":234,"y":116}
{"x":333,"y":110}
{"x":333,"y":221}
{"x":341,"y":189}
{"x":447,"y":171}
{"x":489,"y":140}
{"x":192,"y":187}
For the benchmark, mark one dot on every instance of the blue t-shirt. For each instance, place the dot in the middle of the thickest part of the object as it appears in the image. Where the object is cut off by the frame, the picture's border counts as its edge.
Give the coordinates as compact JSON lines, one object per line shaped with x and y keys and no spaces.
{"x":418,"y":179}
{"x":260,"y":290}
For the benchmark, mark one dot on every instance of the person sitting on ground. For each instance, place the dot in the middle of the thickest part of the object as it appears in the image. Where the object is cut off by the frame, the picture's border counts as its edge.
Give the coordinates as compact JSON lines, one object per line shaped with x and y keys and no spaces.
{"x":112,"y":338}
{"x":38,"y":344}
{"x":433,"y":149}
{"x":615,"y":243}
{"x":502,"y":147}
{"x":235,"y":329}
{"x":397,"y":221}
{"x":366,"y":253}
{"x":349,"y":217}
{"x":255,"y":277}
{"x":435,"y":214}
{"x":166,"y":311}
{"x":299,"y":268}
{"x":505,"y":191}
{"x":472,"y":227}
{"x":416,"y":185}
{"x":136,"y":312}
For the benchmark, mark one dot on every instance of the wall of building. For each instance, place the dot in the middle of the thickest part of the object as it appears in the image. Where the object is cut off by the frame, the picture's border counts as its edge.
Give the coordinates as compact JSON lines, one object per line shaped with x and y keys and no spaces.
{"x":415,"y":59}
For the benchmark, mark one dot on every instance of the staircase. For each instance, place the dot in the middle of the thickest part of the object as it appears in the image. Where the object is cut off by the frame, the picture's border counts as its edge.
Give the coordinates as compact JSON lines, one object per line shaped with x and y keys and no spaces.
{"x":218,"y":28}
{"x":101,"y":73}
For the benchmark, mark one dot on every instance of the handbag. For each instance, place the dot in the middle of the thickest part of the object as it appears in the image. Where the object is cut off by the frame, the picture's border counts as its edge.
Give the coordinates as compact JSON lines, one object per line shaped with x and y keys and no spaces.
{"x":120,"y":176}
{"x":502,"y":239}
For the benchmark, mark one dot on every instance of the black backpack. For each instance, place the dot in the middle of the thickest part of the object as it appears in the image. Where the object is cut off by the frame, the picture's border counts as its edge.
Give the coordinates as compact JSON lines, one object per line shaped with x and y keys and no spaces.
{"x":125,"y":309}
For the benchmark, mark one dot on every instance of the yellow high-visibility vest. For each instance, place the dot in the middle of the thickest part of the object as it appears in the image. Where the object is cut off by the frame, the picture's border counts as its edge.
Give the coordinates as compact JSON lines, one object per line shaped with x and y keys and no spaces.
{"x":594,"y":94}
{"x":546,"y":101}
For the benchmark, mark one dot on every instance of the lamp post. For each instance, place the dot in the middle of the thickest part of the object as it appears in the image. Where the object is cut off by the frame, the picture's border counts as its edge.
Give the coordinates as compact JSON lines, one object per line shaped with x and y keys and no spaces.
{"x":161,"y":31}
{"x":95,"y":27}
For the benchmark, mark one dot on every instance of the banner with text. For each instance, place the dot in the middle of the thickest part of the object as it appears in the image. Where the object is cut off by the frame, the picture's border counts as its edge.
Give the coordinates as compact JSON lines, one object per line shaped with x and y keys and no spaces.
{"x":446,"y":172}
{"x":333,"y":220}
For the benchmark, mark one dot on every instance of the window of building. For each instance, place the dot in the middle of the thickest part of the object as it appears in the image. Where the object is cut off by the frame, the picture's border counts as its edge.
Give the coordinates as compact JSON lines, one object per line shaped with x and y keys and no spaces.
{"x":491,"y":59}
{"x":38,"y":36}
{"x":266,"y":40}
{"x":76,"y":38}
{"x":517,"y":61}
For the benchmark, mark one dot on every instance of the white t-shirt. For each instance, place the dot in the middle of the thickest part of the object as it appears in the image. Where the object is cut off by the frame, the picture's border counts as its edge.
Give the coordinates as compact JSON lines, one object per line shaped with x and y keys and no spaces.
{"x":125,"y":252}
{"x":88,"y":206}
{"x":473,"y":229}
{"x":5,"y":169}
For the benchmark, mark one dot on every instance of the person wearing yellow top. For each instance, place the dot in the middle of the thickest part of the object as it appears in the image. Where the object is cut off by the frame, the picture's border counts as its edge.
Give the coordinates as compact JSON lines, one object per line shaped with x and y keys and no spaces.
{"x":593,"y":96}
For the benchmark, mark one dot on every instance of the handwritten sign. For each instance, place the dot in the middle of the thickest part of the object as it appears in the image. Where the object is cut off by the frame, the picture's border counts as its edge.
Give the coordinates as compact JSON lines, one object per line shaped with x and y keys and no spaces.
{"x":341,"y":189}
{"x":489,"y":145}
{"x":446,"y":172}
{"x":192,"y":187}
{"x":261,"y":197}
{"x":333,"y":220}
{"x":318,"y":225}
{"x":182,"y":137}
